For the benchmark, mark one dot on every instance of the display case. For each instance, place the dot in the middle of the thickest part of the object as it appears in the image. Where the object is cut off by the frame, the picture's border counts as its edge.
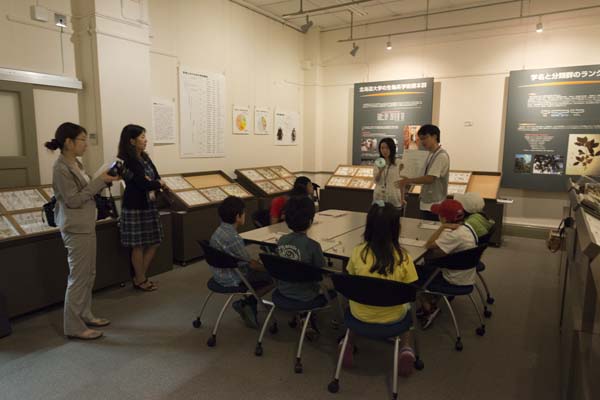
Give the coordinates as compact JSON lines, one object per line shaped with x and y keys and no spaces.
{"x":266,"y":183}
{"x":350,"y":187}
{"x":580,"y":284}
{"x":487,"y":184}
{"x":34,"y":268}
{"x":195,"y":198}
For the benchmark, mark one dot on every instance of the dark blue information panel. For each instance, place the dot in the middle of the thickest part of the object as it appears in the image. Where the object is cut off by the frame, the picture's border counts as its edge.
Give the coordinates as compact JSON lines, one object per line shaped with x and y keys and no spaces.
{"x":393,"y":109}
{"x":552,"y":127}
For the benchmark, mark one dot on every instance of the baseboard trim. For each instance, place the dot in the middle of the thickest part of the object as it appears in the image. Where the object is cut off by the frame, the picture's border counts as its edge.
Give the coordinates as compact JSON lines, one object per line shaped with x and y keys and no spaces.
{"x":526,"y":231}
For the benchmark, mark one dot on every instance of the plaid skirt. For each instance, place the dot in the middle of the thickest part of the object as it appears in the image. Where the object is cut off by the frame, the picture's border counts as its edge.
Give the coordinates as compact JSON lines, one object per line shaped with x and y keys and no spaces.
{"x":140,"y":227}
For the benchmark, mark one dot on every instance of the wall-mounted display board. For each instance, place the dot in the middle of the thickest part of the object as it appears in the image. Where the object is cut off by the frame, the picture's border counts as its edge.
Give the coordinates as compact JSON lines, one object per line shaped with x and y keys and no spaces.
{"x":266,"y":181}
{"x":195,"y":199}
{"x":394,"y":109}
{"x":552,"y":127}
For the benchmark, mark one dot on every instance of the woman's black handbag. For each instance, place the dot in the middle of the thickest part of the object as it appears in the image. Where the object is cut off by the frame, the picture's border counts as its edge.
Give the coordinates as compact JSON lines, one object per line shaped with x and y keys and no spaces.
{"x":48,"y":211}
{"x":106,"y":207}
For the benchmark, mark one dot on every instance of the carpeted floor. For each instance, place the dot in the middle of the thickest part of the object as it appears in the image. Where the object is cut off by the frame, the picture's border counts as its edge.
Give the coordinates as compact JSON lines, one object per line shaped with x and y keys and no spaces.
{"x":151,"y":351}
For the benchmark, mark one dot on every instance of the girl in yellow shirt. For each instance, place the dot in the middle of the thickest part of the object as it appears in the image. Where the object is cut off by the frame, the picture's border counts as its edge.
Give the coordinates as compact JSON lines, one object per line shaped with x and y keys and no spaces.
{"x":380,"y":256}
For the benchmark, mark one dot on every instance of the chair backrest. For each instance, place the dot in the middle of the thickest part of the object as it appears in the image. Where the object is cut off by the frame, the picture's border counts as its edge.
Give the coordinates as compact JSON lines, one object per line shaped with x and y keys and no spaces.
{"x":286,"y":269}
{"x":461,"y":260}
{"x":485,"y":239}
{"x":217,"y":258}
{"x":373,"y":291}
{"x":261,"y":218}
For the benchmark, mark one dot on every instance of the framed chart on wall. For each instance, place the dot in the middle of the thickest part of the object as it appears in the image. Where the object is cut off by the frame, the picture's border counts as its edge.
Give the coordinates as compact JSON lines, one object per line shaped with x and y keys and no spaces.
{"x":389,"y":109}
{"x":552,"y":127}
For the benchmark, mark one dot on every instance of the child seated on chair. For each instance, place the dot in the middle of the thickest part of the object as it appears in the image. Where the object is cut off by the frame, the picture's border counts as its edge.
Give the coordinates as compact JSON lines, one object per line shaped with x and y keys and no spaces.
{"x":474,"y":216}
{"x":380,"y":256}
{"x":226,"y":239}
{"x":451,"y":237}
{"x":299,"y":215}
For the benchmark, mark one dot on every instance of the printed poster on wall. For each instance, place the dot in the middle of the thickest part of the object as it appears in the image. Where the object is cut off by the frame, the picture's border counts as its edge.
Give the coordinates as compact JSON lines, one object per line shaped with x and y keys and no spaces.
{"x":287,"y":128}
{"x":394,"y":109}
{"x":201,"y":114}
{"x":163,"y":120}
{"x":552,"y":127}
{"x":241,"y":120}
{"x":263,"y":121}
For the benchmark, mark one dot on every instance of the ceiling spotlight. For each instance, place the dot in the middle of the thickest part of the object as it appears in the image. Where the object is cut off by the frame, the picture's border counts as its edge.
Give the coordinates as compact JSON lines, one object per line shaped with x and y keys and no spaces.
{"x":388,"y":45}
{"x":354,"y":50}
{"x":304,"y":28}
{"x":539,"y":28}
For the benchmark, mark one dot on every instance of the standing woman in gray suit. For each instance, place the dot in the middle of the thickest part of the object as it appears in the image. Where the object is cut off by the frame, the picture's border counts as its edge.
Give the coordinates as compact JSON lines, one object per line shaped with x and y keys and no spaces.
{"x":75,"y":214}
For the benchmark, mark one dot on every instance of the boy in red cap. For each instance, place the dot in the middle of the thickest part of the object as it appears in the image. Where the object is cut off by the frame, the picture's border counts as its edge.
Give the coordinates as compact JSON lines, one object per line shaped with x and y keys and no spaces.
{"x":452,"y":236}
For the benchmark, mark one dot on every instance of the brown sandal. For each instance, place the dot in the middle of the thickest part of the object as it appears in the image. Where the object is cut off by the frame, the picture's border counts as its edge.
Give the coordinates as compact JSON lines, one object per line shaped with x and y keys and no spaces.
{"x":148,"y":288}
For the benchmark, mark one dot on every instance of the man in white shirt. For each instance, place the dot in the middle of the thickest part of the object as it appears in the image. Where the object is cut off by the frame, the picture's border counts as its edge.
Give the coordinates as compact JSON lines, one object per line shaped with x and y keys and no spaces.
{"x":434,"y":181}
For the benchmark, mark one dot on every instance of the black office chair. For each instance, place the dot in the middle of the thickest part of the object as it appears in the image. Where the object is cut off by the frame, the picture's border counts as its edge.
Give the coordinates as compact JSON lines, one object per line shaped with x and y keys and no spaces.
{"x":379,"y":293}
{"x":485,"y":239}
{"x":219,"y":259}
{"x":462,"y":260}
{"x":261,"y":218}
{"x":285,"y":269}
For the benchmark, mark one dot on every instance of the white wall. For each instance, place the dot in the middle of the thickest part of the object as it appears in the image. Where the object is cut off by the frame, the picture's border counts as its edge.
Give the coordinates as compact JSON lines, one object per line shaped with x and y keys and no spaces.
{"x":470,"y":67}
{"x":36,"y":46}
{"x":261,"y":61}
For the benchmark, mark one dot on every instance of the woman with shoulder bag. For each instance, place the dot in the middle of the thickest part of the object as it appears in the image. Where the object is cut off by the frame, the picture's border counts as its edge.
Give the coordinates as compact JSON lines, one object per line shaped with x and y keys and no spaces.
{"x":140,"y":222}
{"x":75,"y":214}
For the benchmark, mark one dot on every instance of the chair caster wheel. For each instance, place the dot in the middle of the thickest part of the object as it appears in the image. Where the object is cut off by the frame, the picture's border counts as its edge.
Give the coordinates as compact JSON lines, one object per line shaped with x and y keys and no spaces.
{"x":334,"y":324}
{"x":197,"y":323}
{"x":273,"y":329}
{"x":298,"y":367}
{"x":293,"y":323}
{"x":490,"y":300}
{"x":487,"y":313}
{"x":394,"y":396}
{"x":334,"y":386}
{"x":258,"y":351}
{"x":480,"y":331}
{"x":458,"y":346}
{"x":419,"y":364}
{"x":212,"y":341}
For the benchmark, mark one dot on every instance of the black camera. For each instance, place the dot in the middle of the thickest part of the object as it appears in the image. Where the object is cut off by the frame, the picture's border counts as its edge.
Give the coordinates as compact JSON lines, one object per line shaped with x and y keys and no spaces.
{"x":116,"y":168}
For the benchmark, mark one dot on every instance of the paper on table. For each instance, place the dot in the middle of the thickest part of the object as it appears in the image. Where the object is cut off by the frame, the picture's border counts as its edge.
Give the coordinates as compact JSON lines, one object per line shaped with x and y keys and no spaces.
{"x":429,"y":225}
{"x":412,"y":242}
{"x":275,"y":237}
{"x":333,"y":213}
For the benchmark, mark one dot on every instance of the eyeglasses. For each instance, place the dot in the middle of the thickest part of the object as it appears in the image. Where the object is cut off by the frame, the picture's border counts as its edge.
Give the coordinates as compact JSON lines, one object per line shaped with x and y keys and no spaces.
{"x":82,"y":140}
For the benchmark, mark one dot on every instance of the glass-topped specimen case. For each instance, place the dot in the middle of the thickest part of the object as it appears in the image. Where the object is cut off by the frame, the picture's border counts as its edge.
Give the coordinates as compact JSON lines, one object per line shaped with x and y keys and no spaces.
{"x":339,"y":181}
{"x":192,"y":198}
{"x":344,"y":170}
{"x":282,"y":184}
{"x":459,"y":177}
{"x":267,"y":173}
{"x":7,"y":229}
{"x":364,"y":172}
{"x":32,"y":222}
{"x":177,"y":182}
{"x":268,"y":187}
{"x":201,"y":181}
{"x":281,"y":171}
{"x":214,"y":194}
{"x":360,"y":183}
{"x":21,"y":199}
{"x":235,"y":190}
{"x":253,"y":175}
